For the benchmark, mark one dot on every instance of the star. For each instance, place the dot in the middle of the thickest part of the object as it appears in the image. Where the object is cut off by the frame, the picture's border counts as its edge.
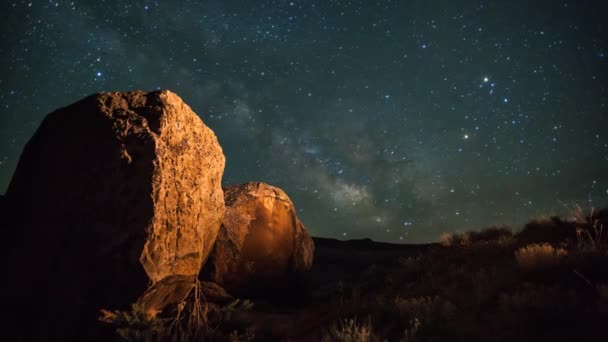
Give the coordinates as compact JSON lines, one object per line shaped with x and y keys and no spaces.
{"x":299,"y":98}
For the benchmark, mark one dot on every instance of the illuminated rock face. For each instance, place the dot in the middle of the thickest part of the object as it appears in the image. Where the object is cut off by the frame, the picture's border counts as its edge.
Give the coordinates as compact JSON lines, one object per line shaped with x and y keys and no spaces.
{"x":117,"y":191}
{"x":261,"y":241}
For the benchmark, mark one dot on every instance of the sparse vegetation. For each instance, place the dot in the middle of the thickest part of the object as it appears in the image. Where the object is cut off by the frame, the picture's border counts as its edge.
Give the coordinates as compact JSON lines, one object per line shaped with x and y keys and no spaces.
{"x":350,"y":330}
{"x":500,"y":234}
{"x":545,"y":283}
{"x":537,"y":256}
{"x":590,"y":230}
{"x":191,"y":320}
{"x":136,"y":324}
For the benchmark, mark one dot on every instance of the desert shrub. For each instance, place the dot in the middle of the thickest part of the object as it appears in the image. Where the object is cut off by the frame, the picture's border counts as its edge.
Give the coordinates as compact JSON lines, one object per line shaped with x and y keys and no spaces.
{"x":454,"y":239}
{"x":547,"y":230}
{"x":535,"y":256}
{"x":581,"y":216}
{"x":496,"y":234}
{"x":583,"y":226}
{"x":350,"y":330}
{"x":136,"y":324}
{"x":445,"y":239}
{"x":491,"y":234}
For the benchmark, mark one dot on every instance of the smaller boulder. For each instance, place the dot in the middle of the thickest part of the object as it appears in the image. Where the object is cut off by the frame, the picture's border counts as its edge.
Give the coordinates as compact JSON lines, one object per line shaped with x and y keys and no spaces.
{"x":261,"y":243}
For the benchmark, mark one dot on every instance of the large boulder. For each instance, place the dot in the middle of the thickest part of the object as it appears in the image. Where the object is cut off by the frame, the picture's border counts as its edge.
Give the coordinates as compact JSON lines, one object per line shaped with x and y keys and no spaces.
{"x":116,"y":193}
{"x":261,"y":243}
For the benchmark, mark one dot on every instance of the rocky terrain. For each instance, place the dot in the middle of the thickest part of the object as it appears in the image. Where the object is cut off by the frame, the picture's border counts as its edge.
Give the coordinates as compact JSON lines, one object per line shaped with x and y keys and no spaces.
{"x":118,"y":199}
{"x":117,"y":228}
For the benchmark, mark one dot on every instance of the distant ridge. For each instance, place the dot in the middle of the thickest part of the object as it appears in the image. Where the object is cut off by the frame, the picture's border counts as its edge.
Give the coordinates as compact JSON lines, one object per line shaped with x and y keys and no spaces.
{"x":366,"y":243}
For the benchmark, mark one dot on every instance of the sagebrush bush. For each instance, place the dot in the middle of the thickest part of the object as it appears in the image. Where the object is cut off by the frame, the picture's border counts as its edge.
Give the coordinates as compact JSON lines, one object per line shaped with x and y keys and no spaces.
{"x":536,"y":256}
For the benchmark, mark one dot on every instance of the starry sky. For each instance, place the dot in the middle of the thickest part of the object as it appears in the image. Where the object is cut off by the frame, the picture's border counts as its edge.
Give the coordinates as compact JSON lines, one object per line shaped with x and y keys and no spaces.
{"x":393,"y":120}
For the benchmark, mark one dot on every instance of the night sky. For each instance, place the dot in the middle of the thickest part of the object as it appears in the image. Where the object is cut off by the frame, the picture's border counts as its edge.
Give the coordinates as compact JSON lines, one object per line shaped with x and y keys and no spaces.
{"x":393,"y":120}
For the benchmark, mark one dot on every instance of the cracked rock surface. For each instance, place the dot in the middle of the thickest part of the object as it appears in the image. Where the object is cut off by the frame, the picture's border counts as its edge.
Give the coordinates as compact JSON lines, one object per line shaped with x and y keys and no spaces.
{"x":116,"y":192}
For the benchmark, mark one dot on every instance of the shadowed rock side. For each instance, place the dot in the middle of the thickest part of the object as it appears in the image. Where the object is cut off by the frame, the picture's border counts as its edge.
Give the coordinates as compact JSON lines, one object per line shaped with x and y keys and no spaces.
{"x":261,"y":243}
{"x":115,"y":192}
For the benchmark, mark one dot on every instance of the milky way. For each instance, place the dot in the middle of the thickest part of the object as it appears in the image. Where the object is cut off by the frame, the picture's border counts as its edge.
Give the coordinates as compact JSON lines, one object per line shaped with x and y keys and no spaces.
{"x":394,"y":120}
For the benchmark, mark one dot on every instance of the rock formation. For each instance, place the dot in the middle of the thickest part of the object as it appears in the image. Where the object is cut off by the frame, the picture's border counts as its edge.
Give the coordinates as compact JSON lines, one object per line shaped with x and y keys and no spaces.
{"x":115,"y":192}
{"x":261,"y":242}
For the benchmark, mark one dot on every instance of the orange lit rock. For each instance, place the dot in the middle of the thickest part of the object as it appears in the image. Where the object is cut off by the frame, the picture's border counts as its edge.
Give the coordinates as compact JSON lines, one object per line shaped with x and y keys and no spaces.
{"x":261,"y":241}
{"x":116,"y":192}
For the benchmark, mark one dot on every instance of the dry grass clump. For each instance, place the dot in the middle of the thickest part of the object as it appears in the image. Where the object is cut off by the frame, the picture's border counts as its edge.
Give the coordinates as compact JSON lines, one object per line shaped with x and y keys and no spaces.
{"x":535,"y":256}
{"x":592,"y":239}
{"x":350,"y":330}
{"x":590,"y":229}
